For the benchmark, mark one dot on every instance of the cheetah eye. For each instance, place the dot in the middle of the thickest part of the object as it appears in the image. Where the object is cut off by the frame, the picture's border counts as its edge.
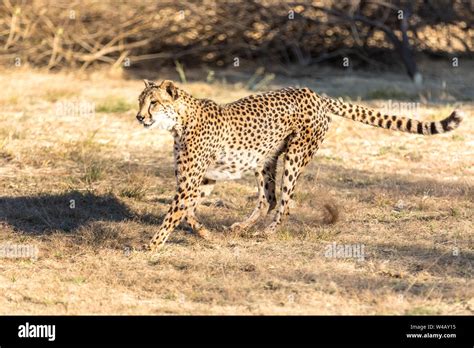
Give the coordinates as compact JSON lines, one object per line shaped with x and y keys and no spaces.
{"x":153,"y":102}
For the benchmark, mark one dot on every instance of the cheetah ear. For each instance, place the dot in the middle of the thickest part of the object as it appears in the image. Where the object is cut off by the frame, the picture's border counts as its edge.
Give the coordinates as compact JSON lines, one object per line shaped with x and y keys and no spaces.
{"x":170,"y":88}
{"x":148,"y":83}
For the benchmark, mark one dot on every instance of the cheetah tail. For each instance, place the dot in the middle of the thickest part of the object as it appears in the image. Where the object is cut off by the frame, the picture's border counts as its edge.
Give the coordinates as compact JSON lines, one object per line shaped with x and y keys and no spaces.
{"x":403,"y":124}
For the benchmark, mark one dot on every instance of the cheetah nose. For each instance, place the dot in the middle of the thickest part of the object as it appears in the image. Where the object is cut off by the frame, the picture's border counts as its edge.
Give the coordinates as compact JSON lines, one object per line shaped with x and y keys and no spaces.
{"x":140,"y":117}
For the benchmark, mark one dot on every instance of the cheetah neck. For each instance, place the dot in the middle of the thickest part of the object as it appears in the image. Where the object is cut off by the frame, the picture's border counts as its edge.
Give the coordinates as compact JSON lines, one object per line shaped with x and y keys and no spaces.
{"x":192,"y":109}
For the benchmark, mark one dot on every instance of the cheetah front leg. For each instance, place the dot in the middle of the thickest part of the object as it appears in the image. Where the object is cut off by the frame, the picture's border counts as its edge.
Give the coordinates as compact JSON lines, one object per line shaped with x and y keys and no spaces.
{"x":206,"y":188}
{"x":266,"y":195}
{"x":174,"y":216}
{"x":191,"y":170}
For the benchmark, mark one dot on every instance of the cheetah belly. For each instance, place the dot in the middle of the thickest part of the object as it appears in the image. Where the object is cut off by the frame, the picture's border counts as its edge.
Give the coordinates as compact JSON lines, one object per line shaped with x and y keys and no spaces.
{"x":231,"y":164}
{"x":219,"y":174}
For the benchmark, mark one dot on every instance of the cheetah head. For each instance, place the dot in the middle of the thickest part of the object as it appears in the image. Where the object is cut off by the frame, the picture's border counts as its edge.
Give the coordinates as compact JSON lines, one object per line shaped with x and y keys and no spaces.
{"x":158,"y":107}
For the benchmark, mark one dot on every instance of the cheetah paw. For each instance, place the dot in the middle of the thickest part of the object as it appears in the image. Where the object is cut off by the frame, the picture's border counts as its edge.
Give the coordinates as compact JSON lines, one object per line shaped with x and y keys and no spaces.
{"x":269,"y":230}
{"x":203,"y":233}
{"x":152,"y":247}
{"x":237,"y":227}
{"x":145,"y":247}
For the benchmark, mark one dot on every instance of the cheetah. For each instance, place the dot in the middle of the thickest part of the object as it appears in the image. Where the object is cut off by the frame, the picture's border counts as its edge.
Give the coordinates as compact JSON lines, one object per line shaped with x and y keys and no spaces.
{"x":215,"y":142}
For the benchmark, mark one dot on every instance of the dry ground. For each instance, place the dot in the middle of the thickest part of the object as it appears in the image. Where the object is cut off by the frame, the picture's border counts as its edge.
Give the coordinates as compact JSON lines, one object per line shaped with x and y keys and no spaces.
{"x":407,"y":199}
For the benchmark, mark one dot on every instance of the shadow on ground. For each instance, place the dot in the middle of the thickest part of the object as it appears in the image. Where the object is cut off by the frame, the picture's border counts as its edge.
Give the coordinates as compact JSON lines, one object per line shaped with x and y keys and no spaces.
{"x":339,"y":176}
{"x":60,"y":212}
{"x":67,"y":212}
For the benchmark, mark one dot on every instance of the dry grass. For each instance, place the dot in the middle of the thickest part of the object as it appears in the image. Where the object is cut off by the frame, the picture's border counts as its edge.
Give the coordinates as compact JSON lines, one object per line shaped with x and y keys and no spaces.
{"x":407,"y":199}
{"x":63,"y":34}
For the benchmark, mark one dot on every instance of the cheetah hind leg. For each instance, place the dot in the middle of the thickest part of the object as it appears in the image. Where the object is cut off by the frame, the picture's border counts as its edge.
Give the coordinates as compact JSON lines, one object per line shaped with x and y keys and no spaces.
{"x":266,"y":196}
{"x":206,"y":188}
{"x":296,"y":159}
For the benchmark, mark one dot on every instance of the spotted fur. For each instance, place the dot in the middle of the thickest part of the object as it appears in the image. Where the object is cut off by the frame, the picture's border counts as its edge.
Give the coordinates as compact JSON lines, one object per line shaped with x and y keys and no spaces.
{"x":219,"y":142}
{"x":403,"y":124}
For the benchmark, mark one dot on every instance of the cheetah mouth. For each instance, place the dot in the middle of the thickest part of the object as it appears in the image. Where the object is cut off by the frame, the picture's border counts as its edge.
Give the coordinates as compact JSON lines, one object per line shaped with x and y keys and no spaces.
{"x":148,"y":124}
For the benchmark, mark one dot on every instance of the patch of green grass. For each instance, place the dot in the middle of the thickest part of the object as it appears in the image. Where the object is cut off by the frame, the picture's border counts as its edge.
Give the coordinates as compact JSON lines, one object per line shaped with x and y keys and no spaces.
{"x":180,"y":71}
{"x":85,"y":151}
{"x":457,"y":137}
{"x":93,"y":172}
{"x":58,"y":255}
{"x":389,"y":149}
{"x":361,"y":182}
{"x":388,"y":93}
{"x":455,"y":212}
{"x":114,"y":104}
{"x":77,"y":280}
{"x":285,"y":234}
{"x":133,"y":191}
{"x":331,"y":158}
{"x":55,"y":94}
{"x":384,"y":150}
{"x":210,"y":76}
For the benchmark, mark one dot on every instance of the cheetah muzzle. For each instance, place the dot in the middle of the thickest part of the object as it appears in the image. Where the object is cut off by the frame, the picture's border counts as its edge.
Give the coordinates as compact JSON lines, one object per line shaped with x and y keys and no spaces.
{"x":220,"y":142}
